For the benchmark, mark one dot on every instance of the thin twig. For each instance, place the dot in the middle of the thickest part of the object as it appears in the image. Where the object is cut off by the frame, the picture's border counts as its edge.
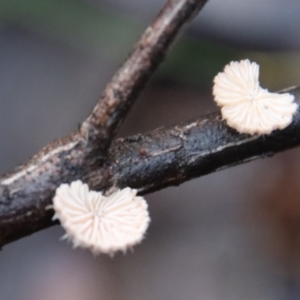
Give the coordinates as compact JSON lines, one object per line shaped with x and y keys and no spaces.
{"x":161,"y":158}
{"x":171,"y":156}
{"x":146,"y":56}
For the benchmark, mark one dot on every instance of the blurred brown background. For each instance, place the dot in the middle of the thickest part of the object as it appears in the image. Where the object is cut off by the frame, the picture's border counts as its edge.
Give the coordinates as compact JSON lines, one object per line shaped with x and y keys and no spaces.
{"x":231,"y":235}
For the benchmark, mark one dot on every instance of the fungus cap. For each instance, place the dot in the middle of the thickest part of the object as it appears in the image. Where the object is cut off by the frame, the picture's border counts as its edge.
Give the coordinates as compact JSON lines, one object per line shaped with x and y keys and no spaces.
{"x":104,"y":224}
{"x":246,"y":106}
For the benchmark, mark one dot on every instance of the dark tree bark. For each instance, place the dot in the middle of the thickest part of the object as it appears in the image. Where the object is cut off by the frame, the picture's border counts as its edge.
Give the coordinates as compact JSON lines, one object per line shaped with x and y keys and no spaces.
{"x":164,"y":157}
{"x":170,"y":156}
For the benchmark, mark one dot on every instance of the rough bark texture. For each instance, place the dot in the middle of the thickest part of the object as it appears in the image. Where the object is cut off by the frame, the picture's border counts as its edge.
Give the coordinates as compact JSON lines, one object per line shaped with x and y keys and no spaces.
{"x":149,"y":162}
{"x":170,"y":156}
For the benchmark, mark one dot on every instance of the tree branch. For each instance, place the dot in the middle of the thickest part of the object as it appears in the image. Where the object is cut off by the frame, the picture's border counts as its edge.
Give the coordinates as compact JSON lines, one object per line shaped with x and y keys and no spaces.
{"x":26,"y":192}
{"x":173,"y":155}
{"x":161,"y":158}
{"x":129,"y":80}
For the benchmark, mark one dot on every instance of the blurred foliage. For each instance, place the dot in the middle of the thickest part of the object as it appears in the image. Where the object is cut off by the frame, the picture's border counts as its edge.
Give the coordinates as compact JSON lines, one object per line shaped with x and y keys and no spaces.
{"x":74,"y":22}
{"x":196,"y":62}
{"x":278,"y":70}
{"x":102,"y":31}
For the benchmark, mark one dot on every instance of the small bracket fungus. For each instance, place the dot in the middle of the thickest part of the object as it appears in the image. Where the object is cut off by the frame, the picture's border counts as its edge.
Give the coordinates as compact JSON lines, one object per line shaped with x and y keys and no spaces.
{"x":246,"y":106}
{"x":104,"y":224}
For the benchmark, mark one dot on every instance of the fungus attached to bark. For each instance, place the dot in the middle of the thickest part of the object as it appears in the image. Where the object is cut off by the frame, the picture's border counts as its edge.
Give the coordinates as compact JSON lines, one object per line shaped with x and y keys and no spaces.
{"x":246,"y":106}
{"x":104,"y":224}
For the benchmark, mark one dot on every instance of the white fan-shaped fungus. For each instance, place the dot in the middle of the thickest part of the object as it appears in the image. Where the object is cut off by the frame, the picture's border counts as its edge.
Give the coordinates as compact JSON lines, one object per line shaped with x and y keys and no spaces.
{"x":104,"y":224}
{"x":246,"y":106}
